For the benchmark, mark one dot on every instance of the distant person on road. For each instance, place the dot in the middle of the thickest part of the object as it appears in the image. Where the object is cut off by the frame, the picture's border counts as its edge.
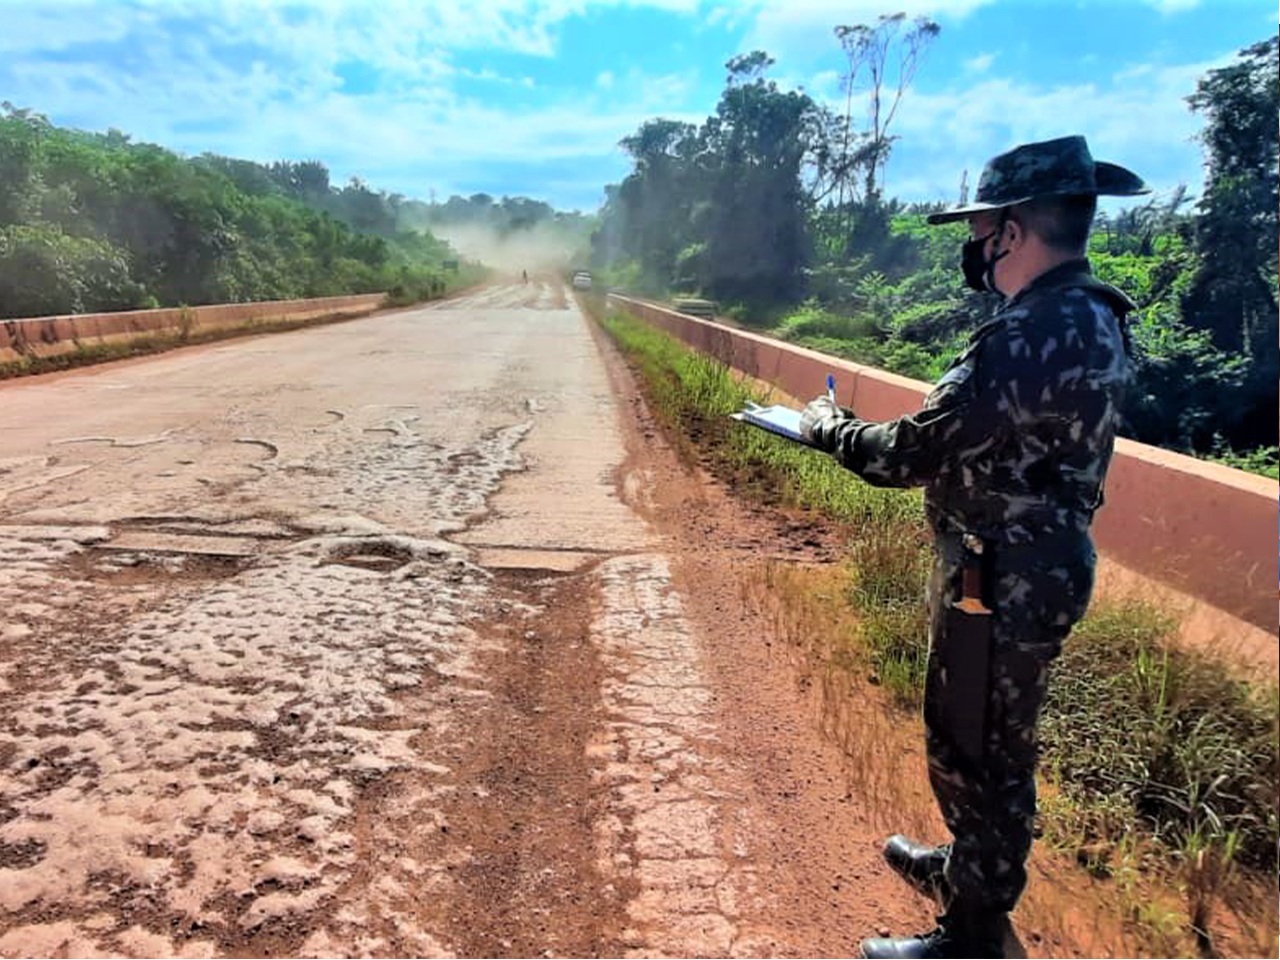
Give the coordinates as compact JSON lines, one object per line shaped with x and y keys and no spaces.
{"x":1012,"y":447}
{"x":524,"y":276}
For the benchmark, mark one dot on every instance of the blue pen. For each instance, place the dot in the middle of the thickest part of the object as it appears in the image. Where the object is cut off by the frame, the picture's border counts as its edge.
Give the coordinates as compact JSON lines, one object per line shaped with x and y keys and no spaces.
{"x":831,"y":387}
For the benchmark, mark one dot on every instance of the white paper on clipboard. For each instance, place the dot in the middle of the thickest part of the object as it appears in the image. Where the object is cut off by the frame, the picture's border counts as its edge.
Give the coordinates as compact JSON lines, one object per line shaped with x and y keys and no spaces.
{"x":784,"y":421}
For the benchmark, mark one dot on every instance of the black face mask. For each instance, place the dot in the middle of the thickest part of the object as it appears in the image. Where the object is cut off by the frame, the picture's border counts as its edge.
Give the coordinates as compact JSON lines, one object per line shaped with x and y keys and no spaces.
{"x":979,"y":272}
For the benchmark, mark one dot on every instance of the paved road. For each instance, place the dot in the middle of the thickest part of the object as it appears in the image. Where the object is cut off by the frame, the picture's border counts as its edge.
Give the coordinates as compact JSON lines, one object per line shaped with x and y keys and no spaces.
{"x":342,"y":642}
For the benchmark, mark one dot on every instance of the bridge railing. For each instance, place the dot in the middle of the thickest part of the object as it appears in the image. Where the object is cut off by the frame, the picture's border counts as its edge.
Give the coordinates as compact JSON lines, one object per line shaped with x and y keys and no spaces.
{"x":1207,"y":530}
{"x":50,"y":336}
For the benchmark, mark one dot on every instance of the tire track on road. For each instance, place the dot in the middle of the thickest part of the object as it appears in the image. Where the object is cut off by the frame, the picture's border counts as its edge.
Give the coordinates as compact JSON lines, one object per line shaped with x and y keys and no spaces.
{"x":675,"y":833}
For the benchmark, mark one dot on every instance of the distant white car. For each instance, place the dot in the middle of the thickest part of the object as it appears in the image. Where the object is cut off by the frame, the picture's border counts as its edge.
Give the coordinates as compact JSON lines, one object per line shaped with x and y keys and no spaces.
{"x":582,"y":280}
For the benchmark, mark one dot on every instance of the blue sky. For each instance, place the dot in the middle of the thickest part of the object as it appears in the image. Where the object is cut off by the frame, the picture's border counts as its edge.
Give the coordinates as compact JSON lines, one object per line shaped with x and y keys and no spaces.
{"x":517,"y":97}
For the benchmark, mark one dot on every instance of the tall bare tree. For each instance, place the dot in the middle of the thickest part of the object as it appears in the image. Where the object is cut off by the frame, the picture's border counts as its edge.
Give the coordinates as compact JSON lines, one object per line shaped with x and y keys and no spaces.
{"x":890,"y":57}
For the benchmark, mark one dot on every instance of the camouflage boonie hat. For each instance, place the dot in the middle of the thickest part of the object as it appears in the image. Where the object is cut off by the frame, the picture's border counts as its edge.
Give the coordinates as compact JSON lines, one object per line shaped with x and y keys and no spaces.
{"x":1048,"y":168}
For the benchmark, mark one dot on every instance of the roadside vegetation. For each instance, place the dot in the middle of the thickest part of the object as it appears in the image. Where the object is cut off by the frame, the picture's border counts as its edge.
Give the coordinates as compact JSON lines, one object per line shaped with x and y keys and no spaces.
{"x":1160,"y":764}
{"x":777,"y":208}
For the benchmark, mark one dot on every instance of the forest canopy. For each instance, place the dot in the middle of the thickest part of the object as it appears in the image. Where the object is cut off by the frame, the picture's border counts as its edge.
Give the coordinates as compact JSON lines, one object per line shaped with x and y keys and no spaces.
{"x":95,"y":222}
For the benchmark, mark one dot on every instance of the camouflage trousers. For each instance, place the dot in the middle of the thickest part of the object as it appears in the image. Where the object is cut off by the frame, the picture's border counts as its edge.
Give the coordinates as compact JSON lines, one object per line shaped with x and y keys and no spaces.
{"x":989,"y":801}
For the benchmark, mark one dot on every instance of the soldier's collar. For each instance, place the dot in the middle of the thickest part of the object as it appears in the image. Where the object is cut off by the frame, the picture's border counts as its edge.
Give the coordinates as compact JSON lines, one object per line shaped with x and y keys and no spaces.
{"x":1059,"y":276}
{"x":1072,"y":273}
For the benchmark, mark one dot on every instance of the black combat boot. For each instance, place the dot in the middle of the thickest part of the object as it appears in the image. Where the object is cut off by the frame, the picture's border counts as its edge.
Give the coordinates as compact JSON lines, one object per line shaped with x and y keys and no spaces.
{"x":922,"y":867}
{"x":982,"y":935}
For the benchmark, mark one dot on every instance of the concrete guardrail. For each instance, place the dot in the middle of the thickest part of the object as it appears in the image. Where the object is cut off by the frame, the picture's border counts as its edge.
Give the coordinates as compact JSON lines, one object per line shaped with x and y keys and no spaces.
{"x":51,"y":336}
{"x":1204,"y":529}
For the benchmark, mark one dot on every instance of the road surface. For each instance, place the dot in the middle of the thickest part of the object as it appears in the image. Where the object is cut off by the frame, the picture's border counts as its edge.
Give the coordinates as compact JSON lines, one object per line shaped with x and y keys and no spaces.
{"x":368,"y":640}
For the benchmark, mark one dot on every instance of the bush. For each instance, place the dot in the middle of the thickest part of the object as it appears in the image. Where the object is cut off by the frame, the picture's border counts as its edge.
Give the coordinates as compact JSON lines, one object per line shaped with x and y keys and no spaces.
{"x":815,"y":321}
{"x":1262,"y":461}
{"x":911,"y":360}
{"x":1182,"y":383}
{"x":44,"y":271}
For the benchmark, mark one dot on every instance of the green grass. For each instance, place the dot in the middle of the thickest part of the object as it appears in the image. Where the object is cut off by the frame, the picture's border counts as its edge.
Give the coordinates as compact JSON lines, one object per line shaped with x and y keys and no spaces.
{"x":888,"y":539}
{"x":1140,"y":739}
{"x":1166,"y":733}
{"x":1262,"y":461}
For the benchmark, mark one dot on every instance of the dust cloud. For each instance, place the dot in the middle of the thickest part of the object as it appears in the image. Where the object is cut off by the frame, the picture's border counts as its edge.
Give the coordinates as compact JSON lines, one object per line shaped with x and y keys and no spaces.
{"x":541,"y":248}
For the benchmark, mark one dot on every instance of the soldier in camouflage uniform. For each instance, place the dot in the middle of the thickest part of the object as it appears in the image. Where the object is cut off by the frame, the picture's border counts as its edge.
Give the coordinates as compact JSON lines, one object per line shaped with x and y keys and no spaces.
{"x":1012,"y":447}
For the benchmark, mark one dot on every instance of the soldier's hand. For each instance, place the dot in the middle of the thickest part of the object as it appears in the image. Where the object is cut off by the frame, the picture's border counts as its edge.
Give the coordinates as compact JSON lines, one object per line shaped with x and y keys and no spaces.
{"x":818,"y":418}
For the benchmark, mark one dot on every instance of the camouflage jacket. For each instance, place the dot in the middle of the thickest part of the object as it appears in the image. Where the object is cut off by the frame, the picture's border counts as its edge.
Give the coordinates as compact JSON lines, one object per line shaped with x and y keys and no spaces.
{"x":1014,"y":441}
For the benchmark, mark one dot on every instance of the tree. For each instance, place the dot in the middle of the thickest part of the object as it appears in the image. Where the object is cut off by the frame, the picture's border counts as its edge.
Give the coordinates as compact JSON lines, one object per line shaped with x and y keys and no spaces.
{"x":1136,"y":229}
{"x":1233,"y":293}
{"x":44,"y":271}
{"x":95,"y":222}
{"x":249,"y":177}
{"x":870,"y":47}
{"x":754,"y":226}
{"x":748,"y":67}
{"x":719,"y":209}
{"x":21,"y":134}
{"x":656,"y":200}
{"x":307,"y":180}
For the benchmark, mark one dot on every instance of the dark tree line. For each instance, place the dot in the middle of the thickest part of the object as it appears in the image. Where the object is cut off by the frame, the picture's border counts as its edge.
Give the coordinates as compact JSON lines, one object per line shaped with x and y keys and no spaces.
{"x":96,"y":222}
{"x":93,"y":222}
{"x":1232,"y":295}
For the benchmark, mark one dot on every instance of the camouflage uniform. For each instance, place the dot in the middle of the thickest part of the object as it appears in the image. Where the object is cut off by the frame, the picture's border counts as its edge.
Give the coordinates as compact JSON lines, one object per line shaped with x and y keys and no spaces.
{"x":1012,"y":446}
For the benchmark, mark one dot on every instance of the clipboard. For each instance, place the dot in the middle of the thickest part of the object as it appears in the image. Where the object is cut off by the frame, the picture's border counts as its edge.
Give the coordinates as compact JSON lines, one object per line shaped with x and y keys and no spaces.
{"x":779,"y":419}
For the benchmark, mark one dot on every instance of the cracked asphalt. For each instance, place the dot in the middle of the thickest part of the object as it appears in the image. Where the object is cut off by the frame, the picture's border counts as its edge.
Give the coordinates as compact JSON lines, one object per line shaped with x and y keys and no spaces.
{"x":362,"y":641}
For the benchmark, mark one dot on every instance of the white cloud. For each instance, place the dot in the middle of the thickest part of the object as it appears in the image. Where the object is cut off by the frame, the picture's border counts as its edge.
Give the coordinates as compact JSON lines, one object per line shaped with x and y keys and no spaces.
{"x":395,"y":33}
{"x":822,"y":86}
{"x":180,"y":83}
{"x":981,"y":63}
{"x":408,"y":136}
{"x":801,"y":31}
{"x":416,"y":129}
{"x":57,"y":27}
{"x":392,"y":32}
{"x":1173,"y":6}
{"x":1138,"y":118}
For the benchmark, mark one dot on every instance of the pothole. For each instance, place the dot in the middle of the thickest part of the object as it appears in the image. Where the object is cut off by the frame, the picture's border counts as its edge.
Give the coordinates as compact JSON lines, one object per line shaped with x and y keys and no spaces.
{"x":22,"y":854}
{"x":373,"y":560}
{"x":142,"y":548}
{"x":387,"y":552}
{"x":129,"y":568}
